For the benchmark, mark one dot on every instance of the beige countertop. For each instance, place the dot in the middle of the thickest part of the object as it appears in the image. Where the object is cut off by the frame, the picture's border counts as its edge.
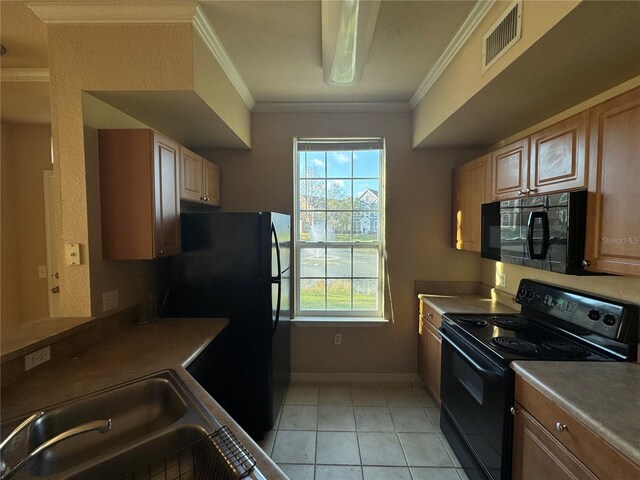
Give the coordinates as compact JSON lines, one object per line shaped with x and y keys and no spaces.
{"x":603,"y":396}
{"x":129,"y":354}
{"x":463,"y":303}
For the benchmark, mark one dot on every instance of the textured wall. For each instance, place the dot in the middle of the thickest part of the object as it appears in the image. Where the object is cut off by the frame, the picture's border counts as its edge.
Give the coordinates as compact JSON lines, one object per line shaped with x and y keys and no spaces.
{"x":101,"y":57}
{"x":418,"y":227}
{"x":26,"y":152}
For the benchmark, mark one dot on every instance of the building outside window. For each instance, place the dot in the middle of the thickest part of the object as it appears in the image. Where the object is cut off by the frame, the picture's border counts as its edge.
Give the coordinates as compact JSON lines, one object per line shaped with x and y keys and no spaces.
{"x":339,"y":227}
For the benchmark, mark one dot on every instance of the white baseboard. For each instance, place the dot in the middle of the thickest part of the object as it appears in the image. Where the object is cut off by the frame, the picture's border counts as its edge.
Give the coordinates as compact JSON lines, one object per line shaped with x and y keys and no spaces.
{"x":355,"y":377}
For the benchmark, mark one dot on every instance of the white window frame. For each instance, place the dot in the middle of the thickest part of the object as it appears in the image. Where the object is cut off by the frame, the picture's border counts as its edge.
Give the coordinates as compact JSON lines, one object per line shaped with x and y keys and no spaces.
{"x":379,"y":244}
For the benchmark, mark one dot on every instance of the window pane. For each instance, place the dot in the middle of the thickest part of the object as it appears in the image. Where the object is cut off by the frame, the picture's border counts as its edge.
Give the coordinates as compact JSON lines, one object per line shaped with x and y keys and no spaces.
{"x":312,"y":165}
{"x":339,"y":262}
{"x":312,"y":195}
{"x":365,"y":194}
{"x":339,"y":226}
{"x":339,"y":164}
{"x":338,"y":294}
{"x":365,"y":294}
{"x":312,"y":262}
{"x":366,"y":163}
{"x":339,"y":195}
{"x":365,"y":226}
{"x":312,"y":226}
{"x":312,"y":295}
{"x":365,"y":262}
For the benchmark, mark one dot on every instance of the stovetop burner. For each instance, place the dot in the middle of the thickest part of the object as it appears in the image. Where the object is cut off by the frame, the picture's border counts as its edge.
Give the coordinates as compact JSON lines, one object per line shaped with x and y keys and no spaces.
{"x":510,"y":323}
{"x":472,"y":322}
{"x":515,"y":344}
{"x":566,"y":349}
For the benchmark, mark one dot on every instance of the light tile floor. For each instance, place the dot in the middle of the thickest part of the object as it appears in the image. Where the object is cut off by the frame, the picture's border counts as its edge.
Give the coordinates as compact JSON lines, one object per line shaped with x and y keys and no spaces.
{"x":361,"y":432}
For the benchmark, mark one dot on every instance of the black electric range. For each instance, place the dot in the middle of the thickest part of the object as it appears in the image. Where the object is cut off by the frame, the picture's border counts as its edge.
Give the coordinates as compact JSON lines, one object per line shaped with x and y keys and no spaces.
{"x":477,"y":385}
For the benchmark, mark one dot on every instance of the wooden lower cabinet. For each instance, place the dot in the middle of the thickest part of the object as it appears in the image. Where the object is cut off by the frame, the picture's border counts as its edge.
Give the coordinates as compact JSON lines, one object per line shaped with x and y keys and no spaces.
{"x":539,"y":456}
{"x":429,"y":351}
{"x":551,"y":444}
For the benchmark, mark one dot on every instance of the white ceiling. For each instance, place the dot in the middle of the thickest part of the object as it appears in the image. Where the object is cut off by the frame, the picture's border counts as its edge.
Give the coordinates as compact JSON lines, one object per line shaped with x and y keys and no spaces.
{"x":277,"y":48}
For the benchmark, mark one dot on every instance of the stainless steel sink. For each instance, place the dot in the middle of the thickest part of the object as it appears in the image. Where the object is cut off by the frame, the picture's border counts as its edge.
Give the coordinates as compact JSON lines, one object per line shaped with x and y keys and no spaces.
{"x":136,"y":410}
{"x":151,"y":418}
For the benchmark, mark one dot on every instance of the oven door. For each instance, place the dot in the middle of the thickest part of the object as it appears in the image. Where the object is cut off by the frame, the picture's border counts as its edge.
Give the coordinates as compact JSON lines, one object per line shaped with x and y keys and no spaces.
{"x":476,"y":395}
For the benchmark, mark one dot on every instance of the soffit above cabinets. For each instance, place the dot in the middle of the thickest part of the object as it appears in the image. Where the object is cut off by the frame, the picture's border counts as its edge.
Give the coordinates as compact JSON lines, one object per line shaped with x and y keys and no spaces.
{"x":594,"y":48}
{"x":184,"y":116}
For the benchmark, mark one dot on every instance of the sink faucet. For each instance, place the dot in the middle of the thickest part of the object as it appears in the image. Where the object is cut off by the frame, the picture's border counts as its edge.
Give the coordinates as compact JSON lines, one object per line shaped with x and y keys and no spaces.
{"x":101,"y":426}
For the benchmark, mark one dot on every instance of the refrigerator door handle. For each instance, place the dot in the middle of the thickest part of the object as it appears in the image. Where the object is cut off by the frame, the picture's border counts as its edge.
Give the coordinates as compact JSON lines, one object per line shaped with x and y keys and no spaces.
{"x":277,"y":279}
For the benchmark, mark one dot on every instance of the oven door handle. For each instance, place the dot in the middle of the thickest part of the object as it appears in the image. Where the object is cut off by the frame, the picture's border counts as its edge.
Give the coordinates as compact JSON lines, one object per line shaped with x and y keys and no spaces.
{"x":544,"y":217}
{"x":479,"y":368}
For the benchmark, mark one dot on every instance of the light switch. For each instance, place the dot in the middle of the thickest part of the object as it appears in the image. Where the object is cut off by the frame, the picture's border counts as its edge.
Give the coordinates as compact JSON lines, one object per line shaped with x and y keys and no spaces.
{"x":72,"y":254}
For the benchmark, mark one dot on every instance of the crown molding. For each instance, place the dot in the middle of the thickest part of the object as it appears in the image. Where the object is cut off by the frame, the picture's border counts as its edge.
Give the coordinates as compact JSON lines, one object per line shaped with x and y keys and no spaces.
{"x":330,"y":107}
{"x":25,"y":74}
{"x":113,"y":12}
{"x":202,"y":25}
{"x":472,"y":21}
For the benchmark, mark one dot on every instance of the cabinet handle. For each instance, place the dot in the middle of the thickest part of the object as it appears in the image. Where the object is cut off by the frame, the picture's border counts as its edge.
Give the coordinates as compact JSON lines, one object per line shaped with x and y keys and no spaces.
{"x":586,"y":263}
{"x":520,"y":193}
{"x":531,"y":190}
{"x":513,"y":411}
{"x":429,"y":315}
{"x":160,"y":252}
{"x":561,"y":427}
{"x":202,"y":199}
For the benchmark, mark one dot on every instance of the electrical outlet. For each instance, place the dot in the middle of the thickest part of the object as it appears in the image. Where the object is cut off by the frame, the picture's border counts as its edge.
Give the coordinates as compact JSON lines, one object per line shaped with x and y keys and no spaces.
{"x":36,"y":358}
{"x":337,"y":339}
{"x":42,"y":271}
{"x":109,"y":300}
{"x":503,"y":280}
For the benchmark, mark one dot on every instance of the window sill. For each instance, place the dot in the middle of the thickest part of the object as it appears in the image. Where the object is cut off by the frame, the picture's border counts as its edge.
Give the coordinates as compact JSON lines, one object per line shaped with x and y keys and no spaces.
{"x":339,"y":321}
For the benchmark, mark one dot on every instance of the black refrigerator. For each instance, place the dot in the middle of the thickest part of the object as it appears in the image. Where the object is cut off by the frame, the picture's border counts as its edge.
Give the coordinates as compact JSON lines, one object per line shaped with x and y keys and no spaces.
{"x":237,"y":265}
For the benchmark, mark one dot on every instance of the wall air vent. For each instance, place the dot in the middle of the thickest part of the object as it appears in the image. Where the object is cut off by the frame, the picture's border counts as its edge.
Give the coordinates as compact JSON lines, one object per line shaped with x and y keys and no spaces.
{"x":502,"y":35}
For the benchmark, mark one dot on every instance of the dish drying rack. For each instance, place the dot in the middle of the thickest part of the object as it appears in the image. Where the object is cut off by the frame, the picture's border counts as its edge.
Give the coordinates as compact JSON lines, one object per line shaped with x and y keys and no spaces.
{"x":219,"y":456}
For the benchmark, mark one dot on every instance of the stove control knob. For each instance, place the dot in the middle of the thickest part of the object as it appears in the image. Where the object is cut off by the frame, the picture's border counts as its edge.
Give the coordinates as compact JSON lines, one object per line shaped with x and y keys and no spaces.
{"x":531,"y":294}
{"x":609,"y":320}
{"x":594,"y":315}
{"x":522,"y":292}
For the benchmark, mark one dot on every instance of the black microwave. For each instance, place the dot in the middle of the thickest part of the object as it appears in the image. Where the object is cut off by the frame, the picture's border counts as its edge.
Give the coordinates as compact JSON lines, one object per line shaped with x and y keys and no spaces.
{"x":544,"y":231}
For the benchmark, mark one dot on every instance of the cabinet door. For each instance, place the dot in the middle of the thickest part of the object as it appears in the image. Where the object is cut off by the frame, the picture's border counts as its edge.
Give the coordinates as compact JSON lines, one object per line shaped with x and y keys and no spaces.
{"x":613,"y":219}
{"x":211,"y":174}
{"x":510,"y":167}
{"x":166,"y":238}
{"x":557,"y":159}
{"x":422,"y":348}
{"x":433,"y":353}
{"x":539,"y":456}
{"x":469,"y":192}
{"x":190,"y":175}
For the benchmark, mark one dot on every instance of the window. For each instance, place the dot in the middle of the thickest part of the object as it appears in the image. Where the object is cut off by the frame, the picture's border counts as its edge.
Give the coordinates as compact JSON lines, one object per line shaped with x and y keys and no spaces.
{"x":339,"y":236}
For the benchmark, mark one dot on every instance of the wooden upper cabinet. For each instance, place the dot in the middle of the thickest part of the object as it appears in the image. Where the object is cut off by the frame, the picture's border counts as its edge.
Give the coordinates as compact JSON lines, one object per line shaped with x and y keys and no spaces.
{"x":140,"y":208}
{"x":211,"y":189}
{"x":510,"y":169}
{"x":199,"y":179}
{"x":166,"y":165}
{"x":613,"y":218}
{"x":469,"y":192}
{"x":190,"y":175}
{"x":558,"y":160}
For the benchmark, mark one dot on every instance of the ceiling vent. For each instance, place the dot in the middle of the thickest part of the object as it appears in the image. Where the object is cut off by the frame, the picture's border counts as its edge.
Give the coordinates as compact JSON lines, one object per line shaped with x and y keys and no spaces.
{"x":502,"y":35}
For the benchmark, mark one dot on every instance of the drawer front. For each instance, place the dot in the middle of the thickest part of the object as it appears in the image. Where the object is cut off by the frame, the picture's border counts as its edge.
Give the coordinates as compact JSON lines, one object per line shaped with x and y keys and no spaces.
{"x":601,"y":458}
{"x":430,"y":315}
